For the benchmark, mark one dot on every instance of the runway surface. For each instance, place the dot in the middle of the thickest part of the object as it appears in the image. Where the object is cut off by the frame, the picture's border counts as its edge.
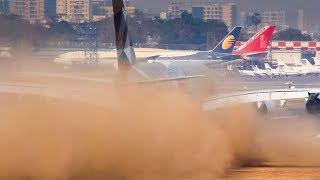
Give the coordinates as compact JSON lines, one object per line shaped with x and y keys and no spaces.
{"x":274,"y":173}
{"x":296,"y":135}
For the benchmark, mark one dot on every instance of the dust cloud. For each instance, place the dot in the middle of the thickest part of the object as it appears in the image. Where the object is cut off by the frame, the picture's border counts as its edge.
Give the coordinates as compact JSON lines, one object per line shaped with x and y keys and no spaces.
{"x":288,"y":142}
{"x":141,"y":133}
{"x":146,"y":135}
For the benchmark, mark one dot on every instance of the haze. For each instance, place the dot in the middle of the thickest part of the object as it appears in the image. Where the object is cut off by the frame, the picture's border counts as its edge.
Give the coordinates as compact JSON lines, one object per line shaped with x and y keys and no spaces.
{"x":310,"y":6}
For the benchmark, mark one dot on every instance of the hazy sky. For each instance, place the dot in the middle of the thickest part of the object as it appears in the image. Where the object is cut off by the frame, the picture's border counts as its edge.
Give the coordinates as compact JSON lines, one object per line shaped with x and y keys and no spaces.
{"x":244,"y":4}
{"x":311,"y":7}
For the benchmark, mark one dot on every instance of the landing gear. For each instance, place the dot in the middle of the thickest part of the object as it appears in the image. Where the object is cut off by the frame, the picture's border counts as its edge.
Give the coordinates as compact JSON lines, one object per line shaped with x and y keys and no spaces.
{"x":313,"y":103}
{"x":264,"y":107}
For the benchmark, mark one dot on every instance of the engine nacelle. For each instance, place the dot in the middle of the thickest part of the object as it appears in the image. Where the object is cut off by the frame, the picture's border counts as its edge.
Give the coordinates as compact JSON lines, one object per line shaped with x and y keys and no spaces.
{"x":313,"y":103}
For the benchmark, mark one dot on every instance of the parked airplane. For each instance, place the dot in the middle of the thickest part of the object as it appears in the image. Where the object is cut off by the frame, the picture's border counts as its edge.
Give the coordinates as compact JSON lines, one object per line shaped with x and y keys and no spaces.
{"x":309,"y":68}
{"x":256,"y":46}
{"x":223,"y":48}
{"x":272,"y":72}
{"x":281,"y":71}
{"x":256,"y":72}
{"x":291,"y":70}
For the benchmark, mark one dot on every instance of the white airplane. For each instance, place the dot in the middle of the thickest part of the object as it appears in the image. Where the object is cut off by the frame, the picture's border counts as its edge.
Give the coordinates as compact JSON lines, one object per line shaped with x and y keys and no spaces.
{"x":272,"y":72}
{"x":254,"y":72}
{"x":309,"y":68}
{"x":249,"y":73}
{"x":281,"y":71}
{"x":291,"y":70}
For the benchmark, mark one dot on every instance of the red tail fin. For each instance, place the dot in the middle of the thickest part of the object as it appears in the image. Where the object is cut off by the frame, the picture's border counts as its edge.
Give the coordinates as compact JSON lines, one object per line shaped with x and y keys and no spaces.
{"x":258,"y":43}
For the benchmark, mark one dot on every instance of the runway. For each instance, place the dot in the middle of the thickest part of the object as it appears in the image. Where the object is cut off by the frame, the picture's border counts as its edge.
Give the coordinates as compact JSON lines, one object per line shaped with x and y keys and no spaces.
{"x":274,"y":173}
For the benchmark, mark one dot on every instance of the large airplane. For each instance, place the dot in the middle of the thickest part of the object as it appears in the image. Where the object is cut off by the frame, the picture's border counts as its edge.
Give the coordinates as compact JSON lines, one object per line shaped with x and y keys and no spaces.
{"x":255,"y":48}
{"x":157,"y":70}
{"x":150,"y":72}
{"x":224,"y":47}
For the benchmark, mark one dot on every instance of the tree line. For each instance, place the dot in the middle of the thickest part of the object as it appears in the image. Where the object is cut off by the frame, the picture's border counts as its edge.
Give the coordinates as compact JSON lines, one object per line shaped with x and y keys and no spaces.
{"x":185,"y":32}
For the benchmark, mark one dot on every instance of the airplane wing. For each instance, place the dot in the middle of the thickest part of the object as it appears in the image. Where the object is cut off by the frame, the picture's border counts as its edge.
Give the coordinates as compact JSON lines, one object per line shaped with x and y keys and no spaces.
{"x":152,"y":57}
{"x":232,"y":62}
{"x":170,"y":79}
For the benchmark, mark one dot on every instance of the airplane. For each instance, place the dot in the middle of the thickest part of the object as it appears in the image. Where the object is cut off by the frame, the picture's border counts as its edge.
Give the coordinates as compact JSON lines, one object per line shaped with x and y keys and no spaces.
{"x":309,"y":68}
{"x":259,"y":72}
{"x":247,"y":73}
{"x":272,"y":72}
{"x":255,"y":72}
{"x":280,"y":71}
{"x":131,"y":70}
{"x":223,"y":48}
{"x":291,"y":70}
{"x":256,"y":46}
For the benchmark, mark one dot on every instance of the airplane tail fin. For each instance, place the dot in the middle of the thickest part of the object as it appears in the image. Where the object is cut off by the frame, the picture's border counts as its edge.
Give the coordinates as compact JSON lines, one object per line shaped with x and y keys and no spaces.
{"x":255,"y":68}
{"x":226,"y":45}
{"x":267,"y":66}
{"x":306,"y":62}
{"x":258,"y":43}
{"x":125,"y":51}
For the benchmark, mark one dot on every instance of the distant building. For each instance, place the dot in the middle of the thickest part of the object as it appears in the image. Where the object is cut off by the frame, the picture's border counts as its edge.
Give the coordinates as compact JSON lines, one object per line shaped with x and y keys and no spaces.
{"x":30,"y":10}
{"x":245,"y":18}
{"x":226,"y":12}
{"x":130,"y":8}
{"x":277,"y":18}
{"x":88,"y":10}
{"x":150,"y":13}
{"x":163,"y":15}
{"x":99,"y":9}
{"x":198,"y":12}
{"x":301,"y":19}
{"x":74,"y":10}
{"x":230,"y":14}
{"x":50,"y":8}
{"x":175,"y":10}
{"x":4,"y":6}
{"x":61,"y":7}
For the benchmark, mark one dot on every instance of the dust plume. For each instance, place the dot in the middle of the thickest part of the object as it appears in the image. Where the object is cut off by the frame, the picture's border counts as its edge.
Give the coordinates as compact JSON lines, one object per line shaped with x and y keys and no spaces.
{"x":147,"y":134}
{"x":288,"y":142}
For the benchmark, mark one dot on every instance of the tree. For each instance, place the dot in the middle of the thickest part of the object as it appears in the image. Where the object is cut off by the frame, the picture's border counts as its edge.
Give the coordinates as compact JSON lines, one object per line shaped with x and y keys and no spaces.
{"x":292,"y":35}
{"x":256,"y":19}
{"x":186,"y":17}
{"x":62,"y":27}
{"x":187,"y":31}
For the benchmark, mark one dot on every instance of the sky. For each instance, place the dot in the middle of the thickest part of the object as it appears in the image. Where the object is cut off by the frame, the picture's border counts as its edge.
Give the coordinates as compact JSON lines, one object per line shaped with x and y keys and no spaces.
{"x":311,"y":7}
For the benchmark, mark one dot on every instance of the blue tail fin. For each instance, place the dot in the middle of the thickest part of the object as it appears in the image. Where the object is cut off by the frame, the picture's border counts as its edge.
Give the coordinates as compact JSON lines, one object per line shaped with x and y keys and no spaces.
{"x":226,"y":45}
{"x":125,"y":51}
